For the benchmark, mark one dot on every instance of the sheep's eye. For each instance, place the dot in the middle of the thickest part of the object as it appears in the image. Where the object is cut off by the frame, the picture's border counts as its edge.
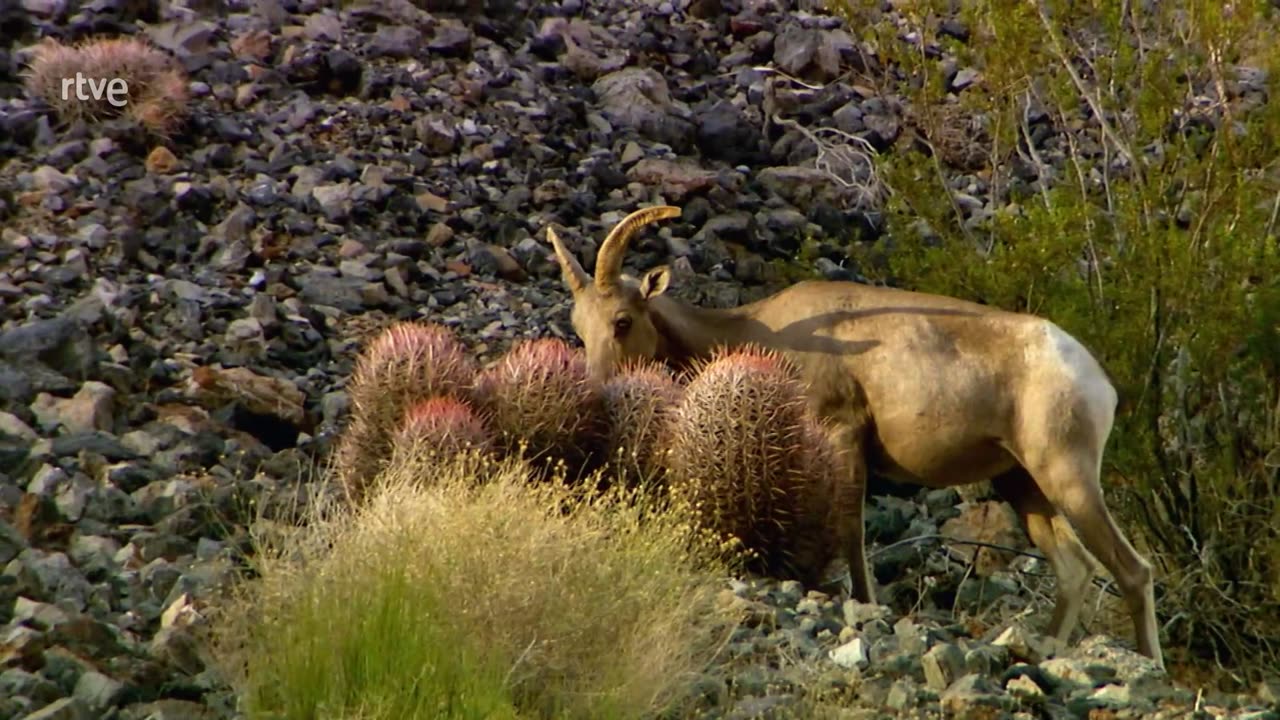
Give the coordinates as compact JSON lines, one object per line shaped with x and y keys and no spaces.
{"x":622,"y":326}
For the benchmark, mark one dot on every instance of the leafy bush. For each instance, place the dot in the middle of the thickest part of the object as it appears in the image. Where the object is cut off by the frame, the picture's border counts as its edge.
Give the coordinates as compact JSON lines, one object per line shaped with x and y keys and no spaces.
{"x":477,"y":595}
{"x":1132,"y":158}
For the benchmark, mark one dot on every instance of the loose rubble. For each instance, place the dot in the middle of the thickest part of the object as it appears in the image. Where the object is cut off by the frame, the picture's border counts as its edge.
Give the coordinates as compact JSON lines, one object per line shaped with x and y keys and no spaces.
{"x":179,"y":319}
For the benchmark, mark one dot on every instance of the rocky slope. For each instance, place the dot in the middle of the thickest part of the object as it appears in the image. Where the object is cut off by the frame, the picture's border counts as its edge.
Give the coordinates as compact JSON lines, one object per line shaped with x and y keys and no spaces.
{"x":179,"y":318}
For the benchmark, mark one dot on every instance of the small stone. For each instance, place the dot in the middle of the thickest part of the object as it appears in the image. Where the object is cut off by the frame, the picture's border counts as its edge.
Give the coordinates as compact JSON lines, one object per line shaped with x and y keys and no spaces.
{"x":851,"y":655}
{"x":1114,"y":695}
{"x":631,"y":153}
{"x":65,"y":709}
{"x":857,"y":613}
{"x":439,"y":234}
{"x":452,"y":38}
{"x":50,"y":179}
{"x":903,"y":695}
{"x":1024,"y":686}
{"x":1069,"y":672}
{"x":1024,"y":645}
{"x":395,"y":41}
{"x":431,"y":201}
{"x":438,"y":135}
{"x":252,"y":45}
{"x":11,"y":424}
{"x":334,"y":200}
{"x":22,"y":647}
{"x":993,"y":523}
{"x":970,"y":696}
{"x":161,"y":161}
{"x":177,"y":647}
{"x":943,"y":664}
{"x":964,"y":79}
{"x":91,"y":408}
{"x":98,"y":692}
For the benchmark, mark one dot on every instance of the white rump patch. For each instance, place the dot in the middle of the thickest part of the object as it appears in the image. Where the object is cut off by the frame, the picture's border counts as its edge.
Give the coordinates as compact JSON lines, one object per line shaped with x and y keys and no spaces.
{"x":1083,"y":372}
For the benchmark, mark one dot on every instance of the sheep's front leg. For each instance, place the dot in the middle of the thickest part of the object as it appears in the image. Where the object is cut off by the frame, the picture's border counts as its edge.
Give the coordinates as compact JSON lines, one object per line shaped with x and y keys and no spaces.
{"x":849,"y":497}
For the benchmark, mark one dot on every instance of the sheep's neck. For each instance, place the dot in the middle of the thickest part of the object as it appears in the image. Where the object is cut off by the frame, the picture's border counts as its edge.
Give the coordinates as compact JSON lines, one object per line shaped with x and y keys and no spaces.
{"x":688,"y":333}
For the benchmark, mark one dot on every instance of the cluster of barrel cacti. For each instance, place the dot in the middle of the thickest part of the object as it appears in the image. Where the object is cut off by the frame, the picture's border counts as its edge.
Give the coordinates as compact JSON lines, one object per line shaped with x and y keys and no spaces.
{"x":733,"y":442}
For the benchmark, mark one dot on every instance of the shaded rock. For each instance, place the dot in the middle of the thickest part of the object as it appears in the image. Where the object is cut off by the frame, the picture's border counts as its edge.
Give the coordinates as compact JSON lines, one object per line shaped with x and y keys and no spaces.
{"x":639,"y":99}
{"x":451,"y":39}
{"x":806,"y":187}
{"x":65,"y":709}
{"x":810,"y":53}
{"x":91,"y":408}
{"x":991,"y":522}
{"x":60,"y":344}
{"x":973,"y":696}
{"x":676,"y":178}
{"x":395,"y":41}
{"x":724,"y":133}
{"x":943,"y":665}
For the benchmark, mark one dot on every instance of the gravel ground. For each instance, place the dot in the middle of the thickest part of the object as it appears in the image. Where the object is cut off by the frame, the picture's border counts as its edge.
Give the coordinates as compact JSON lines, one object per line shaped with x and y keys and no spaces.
{"x":177,"y":323}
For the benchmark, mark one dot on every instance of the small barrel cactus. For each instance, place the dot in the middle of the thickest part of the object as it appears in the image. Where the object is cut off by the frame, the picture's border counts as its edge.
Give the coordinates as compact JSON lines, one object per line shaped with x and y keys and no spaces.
{"x":826,"y":502}
{"x":440,"y":432}
{"x":137,"y":80}
{"x":541,"y":401}
{"x":406,"y":363}
{"x":737,"y":455}
{"x":637,"y":402}
{"x":444,"y":424}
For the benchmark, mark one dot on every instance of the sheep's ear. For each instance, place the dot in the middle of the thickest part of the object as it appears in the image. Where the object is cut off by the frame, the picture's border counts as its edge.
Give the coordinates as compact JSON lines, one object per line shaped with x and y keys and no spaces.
{"x":655,"y":282}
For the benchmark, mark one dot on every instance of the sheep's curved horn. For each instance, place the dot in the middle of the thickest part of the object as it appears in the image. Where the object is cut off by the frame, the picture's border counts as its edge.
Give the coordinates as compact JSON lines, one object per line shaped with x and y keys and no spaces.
{"x":574,"y":276}
{"x":614,"y":247}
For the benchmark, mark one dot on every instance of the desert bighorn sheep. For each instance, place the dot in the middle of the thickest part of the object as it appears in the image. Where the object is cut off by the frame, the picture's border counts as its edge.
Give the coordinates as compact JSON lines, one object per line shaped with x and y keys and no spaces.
{"x":927,"y":389}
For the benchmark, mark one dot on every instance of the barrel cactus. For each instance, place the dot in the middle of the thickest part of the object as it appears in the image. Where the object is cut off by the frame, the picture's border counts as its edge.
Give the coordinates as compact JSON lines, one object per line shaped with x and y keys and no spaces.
{"x":737,"y":447}
{"x":825,"y":503}
{"x":444,"y":424}
{"x":637,"y":403}
{"x":438,"y":434}
{"x":542,"y":404}
{"x":406,"y":363}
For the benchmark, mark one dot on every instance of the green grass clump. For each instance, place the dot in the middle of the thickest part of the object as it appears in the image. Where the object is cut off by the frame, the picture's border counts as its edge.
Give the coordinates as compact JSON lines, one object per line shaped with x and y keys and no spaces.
{"x":478,"y":595}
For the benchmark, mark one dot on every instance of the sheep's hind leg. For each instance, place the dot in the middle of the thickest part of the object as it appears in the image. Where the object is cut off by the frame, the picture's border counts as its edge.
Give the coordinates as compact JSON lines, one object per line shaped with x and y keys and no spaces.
{"x":1071,"y":484}
{"x":1050,"y":532}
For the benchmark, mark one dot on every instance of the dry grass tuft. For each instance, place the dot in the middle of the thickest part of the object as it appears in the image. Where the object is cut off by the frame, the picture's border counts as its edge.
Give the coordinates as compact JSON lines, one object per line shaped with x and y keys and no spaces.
{"x":478,"y":594}
{"x":157,"y":94}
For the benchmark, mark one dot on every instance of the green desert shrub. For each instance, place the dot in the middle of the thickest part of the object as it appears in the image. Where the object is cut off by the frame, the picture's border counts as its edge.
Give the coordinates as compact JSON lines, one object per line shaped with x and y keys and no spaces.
{"x":1133,"y":159}
{"x":478,"y":597}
